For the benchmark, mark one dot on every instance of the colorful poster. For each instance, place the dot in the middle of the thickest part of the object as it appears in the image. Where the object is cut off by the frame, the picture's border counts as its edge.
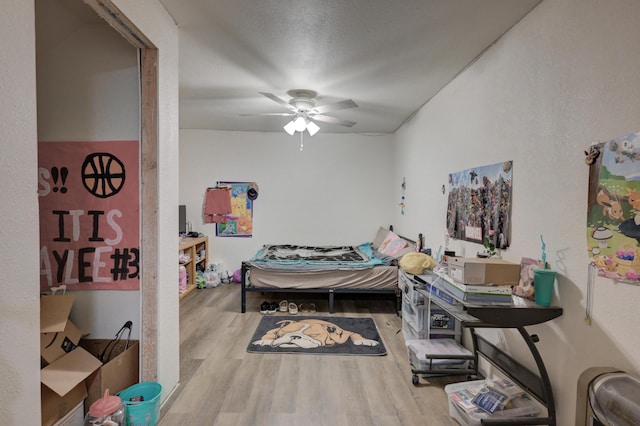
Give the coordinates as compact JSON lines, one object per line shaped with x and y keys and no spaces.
{"x":240,"y":222}
{"x":89,"y":195}
{"x":613,"y":216}
{"x":479,"y":205}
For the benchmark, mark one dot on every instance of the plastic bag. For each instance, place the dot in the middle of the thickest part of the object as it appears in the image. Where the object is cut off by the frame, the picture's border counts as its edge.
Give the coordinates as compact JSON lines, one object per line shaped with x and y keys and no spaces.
{"x":200,"y":281}
{"x":212,"y":279}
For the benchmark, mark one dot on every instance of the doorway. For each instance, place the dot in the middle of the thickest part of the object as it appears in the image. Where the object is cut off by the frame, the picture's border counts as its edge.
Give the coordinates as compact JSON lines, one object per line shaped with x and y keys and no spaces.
{"x":147,"y":132}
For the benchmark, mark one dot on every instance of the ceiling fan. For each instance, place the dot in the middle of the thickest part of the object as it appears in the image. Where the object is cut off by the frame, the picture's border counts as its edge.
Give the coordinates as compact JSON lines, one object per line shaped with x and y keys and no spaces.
{"x":305,"y":112}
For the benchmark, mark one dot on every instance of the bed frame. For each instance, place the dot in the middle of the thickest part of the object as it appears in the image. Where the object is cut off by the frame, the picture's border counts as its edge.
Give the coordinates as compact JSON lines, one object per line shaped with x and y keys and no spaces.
{"x":331,"y":292}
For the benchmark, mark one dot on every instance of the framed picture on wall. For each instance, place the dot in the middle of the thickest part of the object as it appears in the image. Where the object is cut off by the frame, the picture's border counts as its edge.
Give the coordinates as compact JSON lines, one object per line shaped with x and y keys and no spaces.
{"x":240,"y":222}
{"x":479,"y":204}
{"x":613,"y":212}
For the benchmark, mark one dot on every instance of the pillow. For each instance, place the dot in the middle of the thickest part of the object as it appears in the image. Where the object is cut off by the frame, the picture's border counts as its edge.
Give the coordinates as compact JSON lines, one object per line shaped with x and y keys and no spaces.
{"x":380,"y":236}
{"x":410,"y":248}
{"x":392,"y":244}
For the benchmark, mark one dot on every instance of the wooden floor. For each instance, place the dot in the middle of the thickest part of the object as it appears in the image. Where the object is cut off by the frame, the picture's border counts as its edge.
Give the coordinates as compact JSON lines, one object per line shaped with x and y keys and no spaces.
{"x":222,"y":384}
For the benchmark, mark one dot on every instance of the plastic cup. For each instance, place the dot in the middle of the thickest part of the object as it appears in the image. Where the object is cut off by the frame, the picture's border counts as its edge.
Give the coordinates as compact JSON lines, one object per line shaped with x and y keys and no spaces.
{"x":543,"y":281}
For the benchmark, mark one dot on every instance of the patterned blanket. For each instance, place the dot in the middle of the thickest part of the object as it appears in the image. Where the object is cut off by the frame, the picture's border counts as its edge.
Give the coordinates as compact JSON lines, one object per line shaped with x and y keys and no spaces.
{"x":334,"y":255}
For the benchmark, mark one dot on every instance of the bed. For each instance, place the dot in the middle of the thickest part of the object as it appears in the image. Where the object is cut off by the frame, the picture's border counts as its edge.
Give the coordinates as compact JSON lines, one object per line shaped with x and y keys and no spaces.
{"x":370,"y":267}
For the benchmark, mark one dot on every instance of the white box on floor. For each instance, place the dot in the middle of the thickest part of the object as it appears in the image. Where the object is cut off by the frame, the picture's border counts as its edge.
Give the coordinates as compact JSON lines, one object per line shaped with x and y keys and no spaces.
{"x":75,"y":417}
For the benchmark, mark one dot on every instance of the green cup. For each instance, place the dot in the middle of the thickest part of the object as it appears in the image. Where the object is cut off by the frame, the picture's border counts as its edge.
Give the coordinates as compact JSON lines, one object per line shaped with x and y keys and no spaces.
{"x":543,"y":280}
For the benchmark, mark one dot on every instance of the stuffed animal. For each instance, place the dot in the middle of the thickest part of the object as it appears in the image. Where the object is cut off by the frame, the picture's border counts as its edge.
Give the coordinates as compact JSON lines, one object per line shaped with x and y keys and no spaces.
{"x":525,"y":287}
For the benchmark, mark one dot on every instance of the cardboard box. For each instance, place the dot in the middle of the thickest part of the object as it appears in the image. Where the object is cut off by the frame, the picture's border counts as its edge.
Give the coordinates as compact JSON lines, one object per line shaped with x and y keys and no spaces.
{"x":55,"y":407}
{"x":470,"y":270}
{"x":120,"y":370}
{"x":66,"y":365}
{"x":72,"y":371}
{"x":58,"y":335}
{"x":54,"y":345}
{"x":75,"y":417}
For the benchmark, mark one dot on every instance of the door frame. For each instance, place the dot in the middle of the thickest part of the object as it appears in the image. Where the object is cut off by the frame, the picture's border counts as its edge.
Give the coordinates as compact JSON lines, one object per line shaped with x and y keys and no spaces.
{"x":148,"y":180}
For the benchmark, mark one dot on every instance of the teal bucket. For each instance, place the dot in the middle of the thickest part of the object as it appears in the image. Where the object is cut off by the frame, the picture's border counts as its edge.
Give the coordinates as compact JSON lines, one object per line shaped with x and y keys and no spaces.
{"x":142,"y":402}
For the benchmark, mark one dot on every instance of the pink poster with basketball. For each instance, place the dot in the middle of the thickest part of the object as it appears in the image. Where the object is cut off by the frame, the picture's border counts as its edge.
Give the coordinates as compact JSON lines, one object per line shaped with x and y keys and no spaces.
{"x":89,"y":215}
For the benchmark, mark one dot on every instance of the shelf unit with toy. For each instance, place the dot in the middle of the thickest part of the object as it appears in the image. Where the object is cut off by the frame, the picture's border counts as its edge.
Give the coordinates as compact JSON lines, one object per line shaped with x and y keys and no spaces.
{"x":193,"y":254}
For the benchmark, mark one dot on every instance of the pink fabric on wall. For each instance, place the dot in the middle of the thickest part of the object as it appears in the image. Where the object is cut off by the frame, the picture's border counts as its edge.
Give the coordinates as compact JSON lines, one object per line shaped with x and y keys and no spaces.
{"x":215,"y":218}
{"x":218,"y":201}
{"x":217,"y":205}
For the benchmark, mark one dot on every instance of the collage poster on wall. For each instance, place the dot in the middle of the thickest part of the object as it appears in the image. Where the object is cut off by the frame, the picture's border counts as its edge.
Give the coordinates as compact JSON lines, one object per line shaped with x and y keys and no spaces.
{"x":240,"y":222}
{"x":479,"y":205}
{"x":89,"y":196}
{"x":613,"y":216}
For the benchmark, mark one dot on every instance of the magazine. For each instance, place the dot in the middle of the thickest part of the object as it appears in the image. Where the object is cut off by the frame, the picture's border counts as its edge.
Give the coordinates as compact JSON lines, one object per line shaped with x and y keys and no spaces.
{"x":463,"y":397}
{"x":490,"y":400}
{"x":496,"y":394}
{"x":506,"y":387}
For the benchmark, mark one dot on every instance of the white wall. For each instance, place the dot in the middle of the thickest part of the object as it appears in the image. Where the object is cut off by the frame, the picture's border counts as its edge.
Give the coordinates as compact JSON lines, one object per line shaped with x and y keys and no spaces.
{"x":564,"y":78}
{"x":155,"y":23}
{"x":338,"y":190}
{"x":19,"y":237}
{"x":19,"y":234}
{"x":88,"y":90}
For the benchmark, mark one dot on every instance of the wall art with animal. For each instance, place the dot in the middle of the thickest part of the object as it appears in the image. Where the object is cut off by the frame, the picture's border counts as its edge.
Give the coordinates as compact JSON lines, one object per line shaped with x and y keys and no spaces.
{"x":240,"y":222}
{"x":613,"y":216}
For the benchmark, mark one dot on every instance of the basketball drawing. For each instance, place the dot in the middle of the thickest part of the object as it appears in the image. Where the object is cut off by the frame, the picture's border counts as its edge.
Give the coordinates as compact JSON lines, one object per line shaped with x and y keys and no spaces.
{"x":103,"y":174}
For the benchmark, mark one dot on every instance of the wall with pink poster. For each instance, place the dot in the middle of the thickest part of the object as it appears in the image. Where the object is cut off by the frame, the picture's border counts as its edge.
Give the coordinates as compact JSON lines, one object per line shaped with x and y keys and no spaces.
{"x":89,"y":215}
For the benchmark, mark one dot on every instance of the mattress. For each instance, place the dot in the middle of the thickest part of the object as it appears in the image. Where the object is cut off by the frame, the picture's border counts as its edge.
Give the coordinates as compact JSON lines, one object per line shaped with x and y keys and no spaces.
{"x":295,"y":267}
{"x":381,"y":277}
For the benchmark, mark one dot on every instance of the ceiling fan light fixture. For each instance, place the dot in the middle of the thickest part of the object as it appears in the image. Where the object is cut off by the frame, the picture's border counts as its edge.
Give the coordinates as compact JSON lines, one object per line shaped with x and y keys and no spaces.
{"x":302,"y":108}
{"x":290,"y":127}
{"x":312,"y":128}
{"x":300,"y":124}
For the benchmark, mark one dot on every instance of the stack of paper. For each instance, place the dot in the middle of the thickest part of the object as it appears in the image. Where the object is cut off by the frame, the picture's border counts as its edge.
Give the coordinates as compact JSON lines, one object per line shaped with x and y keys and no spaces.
{"x":490,"y":398}
{"x":475,"y":293}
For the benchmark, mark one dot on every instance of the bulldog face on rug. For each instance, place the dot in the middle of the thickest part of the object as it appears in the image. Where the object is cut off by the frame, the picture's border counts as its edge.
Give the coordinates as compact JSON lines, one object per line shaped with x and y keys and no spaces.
{"x":310,"y":333}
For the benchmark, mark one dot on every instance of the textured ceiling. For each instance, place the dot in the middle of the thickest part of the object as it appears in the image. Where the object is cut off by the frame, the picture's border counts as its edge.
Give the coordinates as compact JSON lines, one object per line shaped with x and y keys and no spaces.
{"x":390,"y":57}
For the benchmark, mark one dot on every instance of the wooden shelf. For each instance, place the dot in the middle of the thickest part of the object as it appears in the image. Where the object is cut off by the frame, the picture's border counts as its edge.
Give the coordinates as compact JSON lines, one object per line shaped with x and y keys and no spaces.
{"x":192,"y":247}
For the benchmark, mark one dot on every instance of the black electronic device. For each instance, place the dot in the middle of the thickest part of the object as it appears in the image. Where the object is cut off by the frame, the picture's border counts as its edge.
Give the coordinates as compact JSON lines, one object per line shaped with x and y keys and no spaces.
{"x":182,"y":219}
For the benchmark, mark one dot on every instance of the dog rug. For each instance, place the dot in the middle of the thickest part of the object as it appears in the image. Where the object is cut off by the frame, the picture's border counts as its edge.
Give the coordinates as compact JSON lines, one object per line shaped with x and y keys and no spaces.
{"x":317,"y":335}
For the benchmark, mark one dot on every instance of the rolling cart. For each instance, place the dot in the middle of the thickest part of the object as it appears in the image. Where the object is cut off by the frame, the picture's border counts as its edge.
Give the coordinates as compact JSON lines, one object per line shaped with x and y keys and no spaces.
{"x":517,"y":315}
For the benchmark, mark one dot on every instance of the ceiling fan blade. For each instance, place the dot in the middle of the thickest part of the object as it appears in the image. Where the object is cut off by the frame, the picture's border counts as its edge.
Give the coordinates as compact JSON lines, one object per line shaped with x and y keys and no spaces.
{"x":277,"y":100}
{"x":336,"y":106}
{"x":279,"y":114}
{"x":332,"y":120}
